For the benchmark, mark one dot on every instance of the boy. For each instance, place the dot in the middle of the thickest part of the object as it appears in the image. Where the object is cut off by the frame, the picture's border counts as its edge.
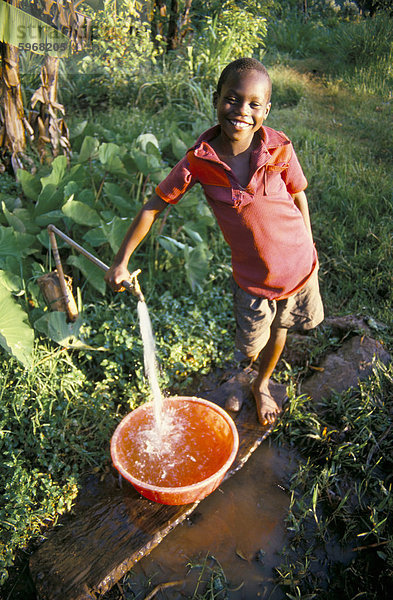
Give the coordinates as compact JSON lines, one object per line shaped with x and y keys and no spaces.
{"x":255,"y":186}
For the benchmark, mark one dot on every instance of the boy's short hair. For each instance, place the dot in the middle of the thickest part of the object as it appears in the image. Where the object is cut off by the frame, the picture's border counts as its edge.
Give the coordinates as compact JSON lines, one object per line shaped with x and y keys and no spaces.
{"x":244,"y":64}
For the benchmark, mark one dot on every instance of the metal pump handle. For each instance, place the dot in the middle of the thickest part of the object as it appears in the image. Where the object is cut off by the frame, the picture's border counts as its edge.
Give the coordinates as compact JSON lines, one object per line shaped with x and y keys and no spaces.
{"x":131,"y":286}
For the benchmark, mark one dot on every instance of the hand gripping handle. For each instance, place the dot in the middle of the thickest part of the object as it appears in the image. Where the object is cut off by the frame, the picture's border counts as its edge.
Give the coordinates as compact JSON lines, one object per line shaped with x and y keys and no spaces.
{"x":132,"y":285}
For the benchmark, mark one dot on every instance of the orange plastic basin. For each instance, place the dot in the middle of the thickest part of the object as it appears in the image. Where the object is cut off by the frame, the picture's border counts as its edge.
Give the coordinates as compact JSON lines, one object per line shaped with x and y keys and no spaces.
{"x":185,"y":465}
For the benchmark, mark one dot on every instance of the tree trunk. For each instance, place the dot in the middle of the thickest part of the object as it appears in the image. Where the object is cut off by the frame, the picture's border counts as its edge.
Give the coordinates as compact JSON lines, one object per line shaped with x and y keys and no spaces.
{"x":157,"y":21}
{"x":303,"y":8}
{"x":185,"y":26}
{"x":12,"y":117}
{"x":50,"y":128}
{"x":172,"y":37}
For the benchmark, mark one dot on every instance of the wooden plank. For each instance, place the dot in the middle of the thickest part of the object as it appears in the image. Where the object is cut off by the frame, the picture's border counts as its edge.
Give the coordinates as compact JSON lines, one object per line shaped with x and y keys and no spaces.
{"x":112,"y":526}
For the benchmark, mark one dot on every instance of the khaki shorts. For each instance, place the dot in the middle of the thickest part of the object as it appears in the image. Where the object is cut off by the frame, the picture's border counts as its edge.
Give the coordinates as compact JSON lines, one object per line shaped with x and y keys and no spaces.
{"x":255,"y":315}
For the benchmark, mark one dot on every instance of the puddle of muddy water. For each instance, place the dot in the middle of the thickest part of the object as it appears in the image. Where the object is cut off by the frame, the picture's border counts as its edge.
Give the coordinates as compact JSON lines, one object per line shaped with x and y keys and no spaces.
{"x":241,"y":524}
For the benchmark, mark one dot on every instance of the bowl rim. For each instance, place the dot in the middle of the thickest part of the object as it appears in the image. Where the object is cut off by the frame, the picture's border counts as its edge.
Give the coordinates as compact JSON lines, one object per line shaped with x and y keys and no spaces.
{"x":181,"y":489}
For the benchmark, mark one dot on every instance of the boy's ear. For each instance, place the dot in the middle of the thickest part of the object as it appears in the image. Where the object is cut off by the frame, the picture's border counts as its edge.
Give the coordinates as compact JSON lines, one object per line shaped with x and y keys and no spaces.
{"x":267,"y":109}
{"x":215,"y":99}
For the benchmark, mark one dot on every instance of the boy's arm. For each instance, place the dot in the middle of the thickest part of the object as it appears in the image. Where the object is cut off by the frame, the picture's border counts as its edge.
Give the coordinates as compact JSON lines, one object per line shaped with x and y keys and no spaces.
{"x":118,"y":272}
{"x":300,"y":200}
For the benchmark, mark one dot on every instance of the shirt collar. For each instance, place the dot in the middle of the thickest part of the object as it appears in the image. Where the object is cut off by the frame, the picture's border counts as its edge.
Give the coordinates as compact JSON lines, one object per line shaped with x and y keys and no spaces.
{"x":270,"y":139}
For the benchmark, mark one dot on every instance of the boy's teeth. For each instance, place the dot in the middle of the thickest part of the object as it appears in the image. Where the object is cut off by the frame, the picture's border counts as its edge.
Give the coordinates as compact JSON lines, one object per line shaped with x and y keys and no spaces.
{"x":239,"y":124}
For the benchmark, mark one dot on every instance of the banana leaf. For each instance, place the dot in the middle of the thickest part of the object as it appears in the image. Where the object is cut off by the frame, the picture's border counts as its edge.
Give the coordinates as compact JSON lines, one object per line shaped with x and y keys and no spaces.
{"x":20,"y":29}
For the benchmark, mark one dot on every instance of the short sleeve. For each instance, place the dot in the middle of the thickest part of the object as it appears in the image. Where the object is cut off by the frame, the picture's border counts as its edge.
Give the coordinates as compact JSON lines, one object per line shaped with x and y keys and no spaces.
{"x":177,"y":183}
{"x":293,"y":176}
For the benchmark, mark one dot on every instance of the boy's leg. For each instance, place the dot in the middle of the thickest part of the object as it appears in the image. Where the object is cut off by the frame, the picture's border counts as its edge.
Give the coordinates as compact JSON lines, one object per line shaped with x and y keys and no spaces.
{"x":267,"y":407}
{"x":261,"y":331}
{"x":303,"y":310}
{"x":254,"y":317}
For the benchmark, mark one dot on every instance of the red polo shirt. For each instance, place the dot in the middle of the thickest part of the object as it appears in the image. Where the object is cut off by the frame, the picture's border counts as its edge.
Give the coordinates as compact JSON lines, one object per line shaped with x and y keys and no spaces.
{"x":272,"y":253}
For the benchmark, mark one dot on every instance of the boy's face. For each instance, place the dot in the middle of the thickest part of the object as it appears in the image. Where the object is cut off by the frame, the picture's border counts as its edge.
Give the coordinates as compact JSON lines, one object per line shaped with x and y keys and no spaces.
{"x":242,"y":106}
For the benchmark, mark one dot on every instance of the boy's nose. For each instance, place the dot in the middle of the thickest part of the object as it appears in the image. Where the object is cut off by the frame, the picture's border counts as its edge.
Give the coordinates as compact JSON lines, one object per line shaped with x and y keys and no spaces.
{"x":244,"y":108}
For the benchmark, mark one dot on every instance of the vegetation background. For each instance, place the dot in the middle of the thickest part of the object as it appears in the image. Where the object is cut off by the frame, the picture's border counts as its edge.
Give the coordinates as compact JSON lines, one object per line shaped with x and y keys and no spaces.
{"x":135,"y":100}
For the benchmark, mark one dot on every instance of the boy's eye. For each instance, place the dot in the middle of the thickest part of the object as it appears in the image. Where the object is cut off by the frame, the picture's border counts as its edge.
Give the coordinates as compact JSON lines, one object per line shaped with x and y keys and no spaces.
{"x":231,"y":99}
{"x":255,"y":105}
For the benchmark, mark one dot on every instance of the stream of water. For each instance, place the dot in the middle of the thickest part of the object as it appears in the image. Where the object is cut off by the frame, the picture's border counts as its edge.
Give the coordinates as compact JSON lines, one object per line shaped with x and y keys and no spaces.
{"x":149,"y":357}
{"x":157,"y":438}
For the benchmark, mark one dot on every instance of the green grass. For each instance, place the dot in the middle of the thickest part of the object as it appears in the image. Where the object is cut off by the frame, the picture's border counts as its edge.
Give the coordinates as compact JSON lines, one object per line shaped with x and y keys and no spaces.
{"x":350,"y":193}
{"x":341,"y":493}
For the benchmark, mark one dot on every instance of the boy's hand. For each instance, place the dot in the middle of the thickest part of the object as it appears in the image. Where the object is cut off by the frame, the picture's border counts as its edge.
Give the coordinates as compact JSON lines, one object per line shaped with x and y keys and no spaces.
{"x":115,"y":276}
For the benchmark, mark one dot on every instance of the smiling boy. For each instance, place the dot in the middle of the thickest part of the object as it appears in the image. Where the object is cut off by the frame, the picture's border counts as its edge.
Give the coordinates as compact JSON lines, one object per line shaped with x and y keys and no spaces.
{"x":254,"y":184}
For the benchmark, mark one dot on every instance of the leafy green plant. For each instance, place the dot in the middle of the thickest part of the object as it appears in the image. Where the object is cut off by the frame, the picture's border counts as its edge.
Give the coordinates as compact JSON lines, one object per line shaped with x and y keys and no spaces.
{"x":122,"y":50}
{"x":38,"y":484}
{"x":222,"y":39}
{"x":94,"y":200}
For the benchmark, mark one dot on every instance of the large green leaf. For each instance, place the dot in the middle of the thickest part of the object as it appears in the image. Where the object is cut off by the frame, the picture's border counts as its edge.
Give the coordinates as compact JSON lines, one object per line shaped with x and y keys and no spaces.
{"x":13,"y":243}
{"x":130,"y":165}
{"x":93,"y":274}
{"x":81,"y":213}
{"x":16,"y":335}
{"x":197,"y":266}
{"x":194,"y":235}
{"x":140,"y":159}
{"x":109,"y":155}
{"x":31,"y":185}
{"x":11,"y":281}
{"x":95,"y":237}
{"x":78,"y":128}
{"x":179,"y":148}
{"x":51,"y":198}
{"x":118,"y":197}
{"x":144,"y":139}
{"x":115,"y":232}
{"x":13,"y":220}
{"x":147,"y":162}
{"x":26,"y":216}
{"x":53,"y":216}
{"x":59,"y":169}
{"x":55,"y":326}
{"x":88,"y":149}
{"x":71,"y":188}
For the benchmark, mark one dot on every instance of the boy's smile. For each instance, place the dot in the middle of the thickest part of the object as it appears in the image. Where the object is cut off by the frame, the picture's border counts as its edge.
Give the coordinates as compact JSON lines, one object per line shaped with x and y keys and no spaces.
{"x":242,"y":106}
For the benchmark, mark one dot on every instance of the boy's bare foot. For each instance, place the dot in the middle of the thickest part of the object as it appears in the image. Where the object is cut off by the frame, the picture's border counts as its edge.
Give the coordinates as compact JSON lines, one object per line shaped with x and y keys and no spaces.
{"x":267,"y":407}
